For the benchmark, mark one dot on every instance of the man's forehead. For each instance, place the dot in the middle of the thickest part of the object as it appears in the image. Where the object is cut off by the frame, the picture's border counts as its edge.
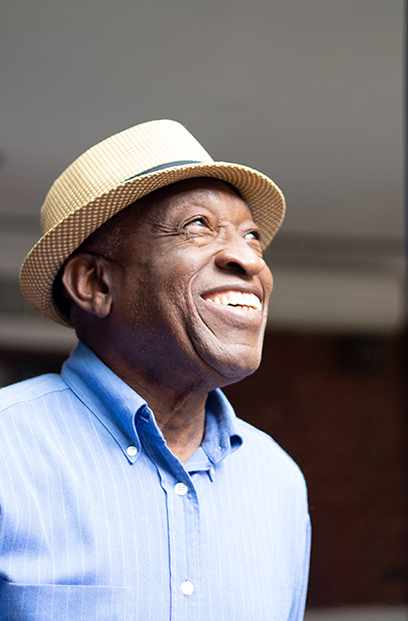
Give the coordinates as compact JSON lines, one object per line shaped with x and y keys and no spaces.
{"x":199,"y":186}
{"x":175,"y":198}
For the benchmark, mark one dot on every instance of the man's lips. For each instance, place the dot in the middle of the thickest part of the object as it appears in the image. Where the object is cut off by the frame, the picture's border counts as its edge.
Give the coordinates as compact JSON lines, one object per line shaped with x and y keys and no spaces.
{"x":234,"y":298}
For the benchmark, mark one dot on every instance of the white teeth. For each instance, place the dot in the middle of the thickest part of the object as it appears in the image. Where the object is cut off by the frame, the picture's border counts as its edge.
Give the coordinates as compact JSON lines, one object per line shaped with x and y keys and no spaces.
{"x":245,"y":301}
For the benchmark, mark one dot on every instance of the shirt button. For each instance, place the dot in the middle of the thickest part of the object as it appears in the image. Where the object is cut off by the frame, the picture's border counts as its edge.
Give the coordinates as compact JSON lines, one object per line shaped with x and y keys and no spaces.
{"x":212,"y":470}
{"x":131,"y":451}
{"x":181,"y":490}
{"x":187,"y":588}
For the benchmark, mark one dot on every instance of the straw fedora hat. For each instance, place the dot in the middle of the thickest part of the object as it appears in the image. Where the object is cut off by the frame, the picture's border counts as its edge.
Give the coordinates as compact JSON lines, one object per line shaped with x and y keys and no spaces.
{"x":115,"y":173}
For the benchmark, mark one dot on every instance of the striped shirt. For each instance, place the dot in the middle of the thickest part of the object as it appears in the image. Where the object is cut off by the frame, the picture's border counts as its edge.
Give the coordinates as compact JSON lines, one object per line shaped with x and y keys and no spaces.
{"x":100,"y":521}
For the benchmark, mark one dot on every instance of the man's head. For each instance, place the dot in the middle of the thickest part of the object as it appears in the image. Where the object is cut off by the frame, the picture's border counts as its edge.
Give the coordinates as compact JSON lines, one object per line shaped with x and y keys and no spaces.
{"x":175,"y":281}
{"x":114,"y":174}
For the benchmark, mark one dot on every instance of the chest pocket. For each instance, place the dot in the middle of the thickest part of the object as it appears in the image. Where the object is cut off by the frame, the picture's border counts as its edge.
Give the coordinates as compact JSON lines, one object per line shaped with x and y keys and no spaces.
{"x":29,"y":602}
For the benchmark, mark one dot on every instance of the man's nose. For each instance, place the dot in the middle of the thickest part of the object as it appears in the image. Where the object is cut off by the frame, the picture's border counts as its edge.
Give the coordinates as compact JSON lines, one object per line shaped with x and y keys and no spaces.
{"x":237,"y":255}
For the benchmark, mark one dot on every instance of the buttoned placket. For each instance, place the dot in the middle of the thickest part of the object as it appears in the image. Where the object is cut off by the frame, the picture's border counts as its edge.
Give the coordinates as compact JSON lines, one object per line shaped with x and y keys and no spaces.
{"x":183,"y":521}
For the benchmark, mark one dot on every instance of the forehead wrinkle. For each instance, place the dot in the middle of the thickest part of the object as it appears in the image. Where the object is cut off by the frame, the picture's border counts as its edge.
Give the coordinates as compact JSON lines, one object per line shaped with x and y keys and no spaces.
{"x":194,"y":187}
{"x":194,"y":197}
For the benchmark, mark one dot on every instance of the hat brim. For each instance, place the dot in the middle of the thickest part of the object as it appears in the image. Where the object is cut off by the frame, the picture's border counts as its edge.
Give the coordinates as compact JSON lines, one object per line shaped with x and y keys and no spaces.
{"x":44,"y":261}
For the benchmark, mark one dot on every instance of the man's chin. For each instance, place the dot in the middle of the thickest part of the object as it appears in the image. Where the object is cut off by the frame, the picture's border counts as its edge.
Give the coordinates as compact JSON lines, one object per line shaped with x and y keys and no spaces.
{"x":232,"y":364}
{"x":233,"y":353}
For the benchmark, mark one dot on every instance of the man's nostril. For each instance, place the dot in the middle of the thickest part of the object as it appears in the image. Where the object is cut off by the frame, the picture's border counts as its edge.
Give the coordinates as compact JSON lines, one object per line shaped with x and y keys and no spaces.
{"x":233,"y":265}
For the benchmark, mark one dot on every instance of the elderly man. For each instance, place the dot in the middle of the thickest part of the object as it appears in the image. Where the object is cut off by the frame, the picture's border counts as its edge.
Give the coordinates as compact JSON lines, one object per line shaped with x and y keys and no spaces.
{"x":129,"y":489}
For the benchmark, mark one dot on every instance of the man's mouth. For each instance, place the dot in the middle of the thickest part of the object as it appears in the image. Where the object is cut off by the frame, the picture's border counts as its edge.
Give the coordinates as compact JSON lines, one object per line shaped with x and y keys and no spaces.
{"x":237,"y":299}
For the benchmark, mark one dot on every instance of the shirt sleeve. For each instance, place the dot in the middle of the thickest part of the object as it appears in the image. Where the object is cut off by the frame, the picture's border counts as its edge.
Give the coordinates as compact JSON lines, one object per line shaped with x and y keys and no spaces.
{"x":297,"y":611}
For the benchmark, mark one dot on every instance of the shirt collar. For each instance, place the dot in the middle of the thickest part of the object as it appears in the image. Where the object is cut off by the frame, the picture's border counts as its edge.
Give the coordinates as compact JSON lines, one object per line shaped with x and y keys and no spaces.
{"x":110,"y":399}
{"x":115,"y":404}
{"x":221,"y":429}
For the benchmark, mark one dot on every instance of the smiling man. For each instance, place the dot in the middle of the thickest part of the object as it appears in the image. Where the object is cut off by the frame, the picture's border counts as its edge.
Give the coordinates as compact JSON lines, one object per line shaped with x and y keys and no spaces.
{"x":129,"y":489}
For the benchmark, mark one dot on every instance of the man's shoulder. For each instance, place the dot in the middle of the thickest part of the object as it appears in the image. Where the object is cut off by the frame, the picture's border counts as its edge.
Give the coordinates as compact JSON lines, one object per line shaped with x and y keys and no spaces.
{"x":267,"y":452}
{"x":30,"y":390}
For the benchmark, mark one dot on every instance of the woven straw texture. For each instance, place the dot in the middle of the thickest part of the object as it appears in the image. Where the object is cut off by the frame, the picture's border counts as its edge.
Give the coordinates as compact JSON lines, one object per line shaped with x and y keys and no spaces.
{"x":109,"y":177}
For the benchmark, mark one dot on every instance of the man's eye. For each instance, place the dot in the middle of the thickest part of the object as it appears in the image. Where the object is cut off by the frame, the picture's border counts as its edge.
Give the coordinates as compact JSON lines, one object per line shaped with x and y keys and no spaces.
{"x":197,"y":221}
{"x":252,"y":235}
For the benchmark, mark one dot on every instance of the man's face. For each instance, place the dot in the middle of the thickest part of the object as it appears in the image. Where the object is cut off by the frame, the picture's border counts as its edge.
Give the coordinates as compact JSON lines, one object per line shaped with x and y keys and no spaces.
{"x":191,"y":289}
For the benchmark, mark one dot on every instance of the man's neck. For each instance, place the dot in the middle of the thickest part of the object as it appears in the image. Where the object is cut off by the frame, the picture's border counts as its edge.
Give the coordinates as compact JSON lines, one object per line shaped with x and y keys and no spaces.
{"x":177,"y":403}
{"x":179,"y":413}
{"x":181,"y":420}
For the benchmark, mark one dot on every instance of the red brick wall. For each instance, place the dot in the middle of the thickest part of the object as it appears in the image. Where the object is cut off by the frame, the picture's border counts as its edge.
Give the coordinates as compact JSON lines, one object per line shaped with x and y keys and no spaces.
{"x":338,"y":406}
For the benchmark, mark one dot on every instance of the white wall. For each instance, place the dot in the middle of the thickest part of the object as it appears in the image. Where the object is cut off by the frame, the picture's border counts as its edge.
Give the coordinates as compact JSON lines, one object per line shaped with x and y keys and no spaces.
{"x":369,"y":613}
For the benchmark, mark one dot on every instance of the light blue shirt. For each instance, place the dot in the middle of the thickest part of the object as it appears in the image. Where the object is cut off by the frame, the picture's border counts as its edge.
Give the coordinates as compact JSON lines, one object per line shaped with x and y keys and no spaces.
{"x":100,"y":521}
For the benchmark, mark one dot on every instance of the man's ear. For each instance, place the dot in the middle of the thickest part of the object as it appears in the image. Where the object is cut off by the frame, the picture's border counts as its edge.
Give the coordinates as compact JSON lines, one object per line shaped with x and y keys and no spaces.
{"x":87,"y":279}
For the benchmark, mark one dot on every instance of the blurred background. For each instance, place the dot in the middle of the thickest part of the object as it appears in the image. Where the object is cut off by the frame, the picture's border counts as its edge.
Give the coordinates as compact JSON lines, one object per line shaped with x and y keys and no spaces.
{"x":311,"y":92}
